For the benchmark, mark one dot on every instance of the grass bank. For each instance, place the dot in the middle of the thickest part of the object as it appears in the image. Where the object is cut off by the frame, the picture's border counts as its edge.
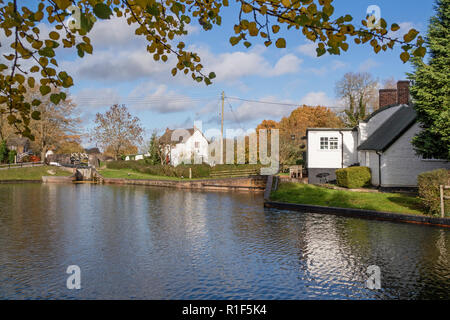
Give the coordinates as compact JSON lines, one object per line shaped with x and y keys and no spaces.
{"x":32,"y":173}
{"x":132,"y":174}
{"x":313,"y":195}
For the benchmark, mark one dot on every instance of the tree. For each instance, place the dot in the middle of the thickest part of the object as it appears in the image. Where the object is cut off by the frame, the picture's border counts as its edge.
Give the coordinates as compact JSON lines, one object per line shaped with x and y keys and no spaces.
{"x":155,"y":149}
{"x":57,"y":124}
{"x":160,"y":23}
{"x":293,"y":129}
{"x":359,"y":93}
{"x":3,"y":151}
{"x":117,"y":130}
{"x":431,"y":89}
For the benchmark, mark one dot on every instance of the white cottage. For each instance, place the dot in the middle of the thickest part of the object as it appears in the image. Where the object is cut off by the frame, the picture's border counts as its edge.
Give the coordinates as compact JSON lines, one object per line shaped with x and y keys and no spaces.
{"x":381,"y":142}
{"x":185,"y":145}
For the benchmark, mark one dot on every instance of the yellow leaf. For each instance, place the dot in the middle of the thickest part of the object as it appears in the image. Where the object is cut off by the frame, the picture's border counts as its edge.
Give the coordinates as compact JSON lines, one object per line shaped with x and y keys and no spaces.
{"x":404,"y":56}
{"x":247,"y":8}
{"x":281,"y":43}
{"x":286,"y":3}
{"x":275,"y":28}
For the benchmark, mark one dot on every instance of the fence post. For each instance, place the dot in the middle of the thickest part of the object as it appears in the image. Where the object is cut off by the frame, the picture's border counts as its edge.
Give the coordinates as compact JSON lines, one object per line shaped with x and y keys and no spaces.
{"x":441,"y":193}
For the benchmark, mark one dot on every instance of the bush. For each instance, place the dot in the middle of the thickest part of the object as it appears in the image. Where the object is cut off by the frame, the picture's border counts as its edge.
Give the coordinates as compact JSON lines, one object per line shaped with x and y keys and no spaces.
{"x":3,"y":152}
{"x":353,"y":177}
{"x":12,"y":156}
{"x":198,"y":170}
{"x":428,"y":183}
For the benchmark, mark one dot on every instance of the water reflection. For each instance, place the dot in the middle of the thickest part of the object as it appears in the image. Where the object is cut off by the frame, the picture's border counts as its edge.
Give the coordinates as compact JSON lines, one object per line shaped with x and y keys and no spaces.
{"x":142,"y":242}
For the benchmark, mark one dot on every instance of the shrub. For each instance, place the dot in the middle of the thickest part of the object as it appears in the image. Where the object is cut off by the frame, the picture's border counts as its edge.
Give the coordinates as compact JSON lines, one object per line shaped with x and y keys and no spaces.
{"x":353,"y":177}
{"x":428,"y":183}
{"x":3,"y":152}
{"x":198,"y":170}
{"x":12,"y":156}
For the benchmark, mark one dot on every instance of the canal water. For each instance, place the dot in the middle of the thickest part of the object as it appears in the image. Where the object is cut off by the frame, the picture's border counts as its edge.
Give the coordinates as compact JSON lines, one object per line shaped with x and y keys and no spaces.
{"x":147,"y":243}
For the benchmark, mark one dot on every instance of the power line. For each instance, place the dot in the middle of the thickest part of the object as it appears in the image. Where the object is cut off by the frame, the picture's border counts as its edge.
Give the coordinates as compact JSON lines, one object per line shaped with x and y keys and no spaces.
{"x":270,"y":102}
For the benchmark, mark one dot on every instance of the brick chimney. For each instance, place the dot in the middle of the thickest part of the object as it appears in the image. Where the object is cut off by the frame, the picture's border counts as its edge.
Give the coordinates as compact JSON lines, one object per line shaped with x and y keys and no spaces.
{"x":387,"y":97}
{"x":403,"y":92}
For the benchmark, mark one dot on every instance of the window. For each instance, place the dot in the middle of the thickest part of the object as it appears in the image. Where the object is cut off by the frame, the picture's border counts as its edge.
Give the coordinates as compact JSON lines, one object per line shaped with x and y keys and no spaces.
{"x":329,"y":143}
{"x":323,"y":143}
{"x":197,"y":144}
{"x":334,"y":143}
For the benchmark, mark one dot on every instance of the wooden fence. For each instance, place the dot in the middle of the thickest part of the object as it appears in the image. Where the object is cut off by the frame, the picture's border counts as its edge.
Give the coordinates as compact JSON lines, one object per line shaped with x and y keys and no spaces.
{"x":21,"y":165}
{"x":234,"y":173}
{"x":443,"y":197}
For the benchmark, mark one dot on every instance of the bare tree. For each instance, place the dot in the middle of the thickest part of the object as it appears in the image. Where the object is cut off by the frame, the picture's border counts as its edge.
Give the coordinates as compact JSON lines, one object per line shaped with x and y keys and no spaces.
{"x":390,"y":83}
{"x":117,"y":130}
{"x":359,"y":93}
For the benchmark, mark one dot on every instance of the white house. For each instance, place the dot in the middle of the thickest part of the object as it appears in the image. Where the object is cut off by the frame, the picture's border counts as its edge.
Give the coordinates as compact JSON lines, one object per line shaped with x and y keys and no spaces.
{"x":185,"y":145}
{"x":381,"y":142}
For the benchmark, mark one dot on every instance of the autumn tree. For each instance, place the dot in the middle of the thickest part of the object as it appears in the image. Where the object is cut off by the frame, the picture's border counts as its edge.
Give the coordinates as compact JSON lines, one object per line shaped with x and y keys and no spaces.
{"x":58,"y":124}
{"x":31,"y":57}
{"x":359,"y":94}
{"x":117,"y":130}
{"x":293,"y":129}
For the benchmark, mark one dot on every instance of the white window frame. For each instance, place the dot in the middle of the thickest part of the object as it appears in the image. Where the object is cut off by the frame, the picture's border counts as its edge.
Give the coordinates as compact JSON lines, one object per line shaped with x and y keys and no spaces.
{"x":333,"y":143}
{"x":323,"y":144}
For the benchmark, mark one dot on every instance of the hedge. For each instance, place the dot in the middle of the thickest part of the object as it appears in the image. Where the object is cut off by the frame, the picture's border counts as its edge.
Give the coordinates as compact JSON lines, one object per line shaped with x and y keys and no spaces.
{"x":353,"y":177}
{"x":198,"y":170}
{"x":182,"y":170}
{"x":428,"y":183}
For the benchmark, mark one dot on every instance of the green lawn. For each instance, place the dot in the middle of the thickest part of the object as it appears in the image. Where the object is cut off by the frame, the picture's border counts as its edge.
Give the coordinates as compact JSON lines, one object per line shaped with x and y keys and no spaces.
{"x":31,"y":173}
{"x":309,"y":194}
{"x":133,"y":174}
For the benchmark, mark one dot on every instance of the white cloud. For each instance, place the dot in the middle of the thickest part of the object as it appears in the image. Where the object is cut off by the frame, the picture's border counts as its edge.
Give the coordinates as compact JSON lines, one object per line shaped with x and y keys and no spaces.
{"x":231,"y":66}
{"x":367,"y":65}
{"x":318,"y":98}
{"x":308,"y":49}
{"x":160,"y":99}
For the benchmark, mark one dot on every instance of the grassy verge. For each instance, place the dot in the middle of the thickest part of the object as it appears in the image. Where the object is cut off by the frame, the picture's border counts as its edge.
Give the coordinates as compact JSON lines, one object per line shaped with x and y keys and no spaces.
{"x":133,"y":174}
{"x":32,"y":173}
{"x":313,"y":195}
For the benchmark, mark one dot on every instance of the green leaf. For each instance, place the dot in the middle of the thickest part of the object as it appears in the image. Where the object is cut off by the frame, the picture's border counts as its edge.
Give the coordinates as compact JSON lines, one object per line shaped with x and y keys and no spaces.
{"x":404,"y":56}
{"x":212,"y":75}
{"x":44,"y":90}
{"x":36,"y":115}
{"x":395,"y":27}
{"x":47,"y":52}
{"x":36,"y":102}
{"x":420,"y":52}
{"x":55,"y":98}
{"x":102,"y":11}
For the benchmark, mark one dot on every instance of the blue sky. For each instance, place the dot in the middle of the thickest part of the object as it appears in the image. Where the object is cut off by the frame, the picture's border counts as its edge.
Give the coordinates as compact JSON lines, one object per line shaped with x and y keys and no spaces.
{"x":120,"y":71}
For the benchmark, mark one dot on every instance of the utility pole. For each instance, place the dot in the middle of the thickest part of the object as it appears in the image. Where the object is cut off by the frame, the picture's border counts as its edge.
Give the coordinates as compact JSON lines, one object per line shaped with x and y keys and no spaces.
{"x":221,"y":130}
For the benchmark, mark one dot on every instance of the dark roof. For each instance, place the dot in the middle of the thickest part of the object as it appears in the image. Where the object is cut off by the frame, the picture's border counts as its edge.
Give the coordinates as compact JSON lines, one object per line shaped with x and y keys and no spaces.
{"x":331,"y":129}
{"x":382,"y":109}
{"x":17,"y":141}
{"x":390,"y":130}
{"x":92,"y":151}
{"x":166,"y":138}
